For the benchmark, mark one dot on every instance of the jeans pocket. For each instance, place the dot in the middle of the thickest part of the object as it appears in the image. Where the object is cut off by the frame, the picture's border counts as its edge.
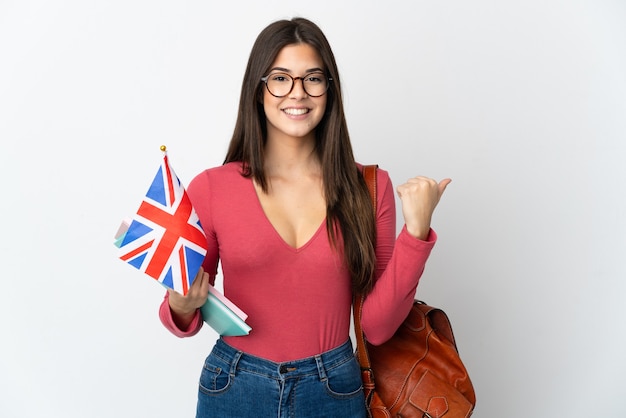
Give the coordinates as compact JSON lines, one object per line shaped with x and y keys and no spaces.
{"x":344,"y":381}
{"x":215,"y":377}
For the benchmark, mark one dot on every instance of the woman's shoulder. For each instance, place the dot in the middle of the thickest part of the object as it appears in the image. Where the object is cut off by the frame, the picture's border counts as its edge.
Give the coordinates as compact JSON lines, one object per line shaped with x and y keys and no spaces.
{"x":220,"y":172}
{"x":226,"y":175}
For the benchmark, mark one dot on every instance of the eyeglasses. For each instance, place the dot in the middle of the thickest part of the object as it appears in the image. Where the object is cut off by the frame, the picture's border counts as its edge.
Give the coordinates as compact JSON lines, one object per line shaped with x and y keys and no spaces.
{"x":281,"y":84}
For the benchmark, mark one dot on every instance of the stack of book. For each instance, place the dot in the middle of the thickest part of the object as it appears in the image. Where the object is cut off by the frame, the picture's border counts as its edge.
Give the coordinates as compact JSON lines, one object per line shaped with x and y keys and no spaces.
{"x":224,"y":316}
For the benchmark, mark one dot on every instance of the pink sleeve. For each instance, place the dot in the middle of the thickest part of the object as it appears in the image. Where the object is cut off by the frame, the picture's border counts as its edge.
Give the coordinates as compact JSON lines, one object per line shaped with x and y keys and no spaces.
{"x":165,"y":314}
{"x":400,"y":263}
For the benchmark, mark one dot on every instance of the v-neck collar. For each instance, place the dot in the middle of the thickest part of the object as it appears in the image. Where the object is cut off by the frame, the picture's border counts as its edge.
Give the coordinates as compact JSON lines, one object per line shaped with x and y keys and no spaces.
{"x":307,"y":243}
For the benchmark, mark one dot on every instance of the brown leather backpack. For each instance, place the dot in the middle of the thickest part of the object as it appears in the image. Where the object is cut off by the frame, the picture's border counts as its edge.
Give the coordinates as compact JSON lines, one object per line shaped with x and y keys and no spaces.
{"x":417,"y":373}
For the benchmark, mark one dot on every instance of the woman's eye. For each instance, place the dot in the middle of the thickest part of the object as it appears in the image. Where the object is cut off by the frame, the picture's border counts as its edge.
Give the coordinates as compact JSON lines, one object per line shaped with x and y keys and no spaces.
{"x":314,"y":79}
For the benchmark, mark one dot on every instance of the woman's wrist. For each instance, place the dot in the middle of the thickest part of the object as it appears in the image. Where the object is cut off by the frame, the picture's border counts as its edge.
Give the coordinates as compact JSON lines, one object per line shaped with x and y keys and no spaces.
{"x":182,"y":319}
{"x":420,"y":233}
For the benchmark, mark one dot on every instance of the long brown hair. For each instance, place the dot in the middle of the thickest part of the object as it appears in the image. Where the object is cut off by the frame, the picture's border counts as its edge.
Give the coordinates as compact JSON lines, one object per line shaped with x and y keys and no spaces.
{"x":347,"y":200}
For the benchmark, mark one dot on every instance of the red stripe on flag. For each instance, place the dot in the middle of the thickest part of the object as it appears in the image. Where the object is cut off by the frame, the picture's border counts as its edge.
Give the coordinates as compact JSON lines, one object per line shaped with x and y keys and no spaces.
{"x":170,"y":185}
{"x":136,"y":251}
{"x":183,"y":270}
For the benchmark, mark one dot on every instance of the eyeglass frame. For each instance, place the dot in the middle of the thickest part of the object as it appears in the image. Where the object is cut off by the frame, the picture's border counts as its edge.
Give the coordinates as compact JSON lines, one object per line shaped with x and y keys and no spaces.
{"x":293,"y":83}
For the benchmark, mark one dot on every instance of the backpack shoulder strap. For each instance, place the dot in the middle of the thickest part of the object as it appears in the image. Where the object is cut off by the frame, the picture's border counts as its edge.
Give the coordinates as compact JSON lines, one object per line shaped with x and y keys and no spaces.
{"x":369,"y":174}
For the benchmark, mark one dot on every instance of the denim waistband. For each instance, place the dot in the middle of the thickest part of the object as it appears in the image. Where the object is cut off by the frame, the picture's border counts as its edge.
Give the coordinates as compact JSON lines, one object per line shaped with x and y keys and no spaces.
{"x":318,"y":364}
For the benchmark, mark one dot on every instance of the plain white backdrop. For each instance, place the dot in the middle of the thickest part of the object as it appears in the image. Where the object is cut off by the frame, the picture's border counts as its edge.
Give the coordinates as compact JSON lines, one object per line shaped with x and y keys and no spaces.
{"x":522,"y":104}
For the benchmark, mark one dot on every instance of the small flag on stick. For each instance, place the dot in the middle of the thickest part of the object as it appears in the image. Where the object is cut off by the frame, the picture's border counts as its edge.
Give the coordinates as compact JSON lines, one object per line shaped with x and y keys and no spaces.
{"x":164,"y":239}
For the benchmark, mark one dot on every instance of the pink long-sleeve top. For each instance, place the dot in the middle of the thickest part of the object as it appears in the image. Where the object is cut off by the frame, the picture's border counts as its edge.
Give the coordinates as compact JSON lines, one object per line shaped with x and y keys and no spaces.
{"x":298,"y":300}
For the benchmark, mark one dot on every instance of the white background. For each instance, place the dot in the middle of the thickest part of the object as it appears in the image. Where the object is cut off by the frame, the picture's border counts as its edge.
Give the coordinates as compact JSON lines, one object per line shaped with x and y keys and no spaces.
{"x":522,"y":104}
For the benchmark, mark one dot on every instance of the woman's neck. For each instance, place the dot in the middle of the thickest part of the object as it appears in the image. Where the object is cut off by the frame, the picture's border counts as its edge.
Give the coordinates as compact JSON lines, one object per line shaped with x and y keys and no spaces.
{"x":289,"y":156}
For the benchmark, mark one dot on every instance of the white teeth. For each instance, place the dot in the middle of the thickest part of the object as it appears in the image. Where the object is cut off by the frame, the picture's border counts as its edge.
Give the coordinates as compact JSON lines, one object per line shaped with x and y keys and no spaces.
{"x":296,"y":112}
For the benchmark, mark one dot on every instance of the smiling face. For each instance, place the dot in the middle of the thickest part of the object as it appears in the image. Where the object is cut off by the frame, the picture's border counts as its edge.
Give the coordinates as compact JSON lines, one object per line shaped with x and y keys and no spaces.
{"x":297,"y":114}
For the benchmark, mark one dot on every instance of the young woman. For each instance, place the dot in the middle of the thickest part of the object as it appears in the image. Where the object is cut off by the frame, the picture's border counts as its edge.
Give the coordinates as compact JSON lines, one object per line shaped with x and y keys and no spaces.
{"x":289,"y":217}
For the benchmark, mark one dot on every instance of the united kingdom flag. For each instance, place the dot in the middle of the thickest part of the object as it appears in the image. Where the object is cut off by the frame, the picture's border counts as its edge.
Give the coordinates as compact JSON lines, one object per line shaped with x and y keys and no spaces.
{"x":164,"y":238}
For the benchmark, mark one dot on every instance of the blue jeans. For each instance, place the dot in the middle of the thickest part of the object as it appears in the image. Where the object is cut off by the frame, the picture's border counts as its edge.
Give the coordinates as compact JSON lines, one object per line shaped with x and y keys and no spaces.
{"x":238,"y":385}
